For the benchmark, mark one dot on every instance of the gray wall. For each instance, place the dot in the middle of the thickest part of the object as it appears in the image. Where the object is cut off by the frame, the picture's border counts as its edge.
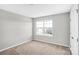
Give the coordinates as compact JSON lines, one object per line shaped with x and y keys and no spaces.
{"x":14,"y":29}
{"x":61,"y":30}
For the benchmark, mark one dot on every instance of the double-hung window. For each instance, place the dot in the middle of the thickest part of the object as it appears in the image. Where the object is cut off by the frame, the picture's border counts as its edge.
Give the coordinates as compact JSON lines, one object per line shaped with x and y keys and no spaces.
{"x":44,"y":27}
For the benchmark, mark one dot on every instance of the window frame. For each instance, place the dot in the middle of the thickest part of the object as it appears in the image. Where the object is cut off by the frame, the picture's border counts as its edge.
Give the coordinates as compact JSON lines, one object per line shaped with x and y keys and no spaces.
{"x":43,"y":26}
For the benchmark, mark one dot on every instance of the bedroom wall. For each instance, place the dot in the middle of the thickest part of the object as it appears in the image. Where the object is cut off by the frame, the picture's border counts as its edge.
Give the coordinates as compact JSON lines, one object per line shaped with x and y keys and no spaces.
{"x":14,"y":29}
{"x":61,"y":30}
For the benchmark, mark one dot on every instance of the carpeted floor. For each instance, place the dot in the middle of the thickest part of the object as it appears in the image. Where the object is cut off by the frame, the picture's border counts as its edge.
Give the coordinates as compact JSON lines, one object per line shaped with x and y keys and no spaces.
{"x":37,"y":48}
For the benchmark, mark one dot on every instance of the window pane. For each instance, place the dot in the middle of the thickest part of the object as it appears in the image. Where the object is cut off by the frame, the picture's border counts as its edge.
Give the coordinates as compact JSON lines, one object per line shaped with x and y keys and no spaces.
{"x":39,"y":24}
{"x":39,"y":31}
{"x":48,"y":23}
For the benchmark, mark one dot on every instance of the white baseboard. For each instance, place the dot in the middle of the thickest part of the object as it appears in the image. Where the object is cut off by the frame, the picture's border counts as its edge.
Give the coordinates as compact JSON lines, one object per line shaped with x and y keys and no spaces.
{"x":15,"y":45}
{"x":52,"y":43}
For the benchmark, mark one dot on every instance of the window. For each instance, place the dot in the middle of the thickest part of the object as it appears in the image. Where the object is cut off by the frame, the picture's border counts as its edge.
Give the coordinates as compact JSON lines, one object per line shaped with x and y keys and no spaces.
{"x":44,"y":27}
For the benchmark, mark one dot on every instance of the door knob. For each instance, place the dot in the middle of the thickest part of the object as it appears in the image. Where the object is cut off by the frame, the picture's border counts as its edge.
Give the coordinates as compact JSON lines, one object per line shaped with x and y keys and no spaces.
{"x":77,"y":39}
{"x":72,"y":37}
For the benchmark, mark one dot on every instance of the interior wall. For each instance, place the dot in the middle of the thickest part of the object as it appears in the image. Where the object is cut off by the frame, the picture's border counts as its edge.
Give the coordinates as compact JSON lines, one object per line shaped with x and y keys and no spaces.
{"x":61,"y":30}
{"x":14,"y":29}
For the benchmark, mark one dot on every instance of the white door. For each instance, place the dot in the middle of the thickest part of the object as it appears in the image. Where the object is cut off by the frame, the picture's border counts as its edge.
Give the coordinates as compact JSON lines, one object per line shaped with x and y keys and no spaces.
{"x":74,"y":30}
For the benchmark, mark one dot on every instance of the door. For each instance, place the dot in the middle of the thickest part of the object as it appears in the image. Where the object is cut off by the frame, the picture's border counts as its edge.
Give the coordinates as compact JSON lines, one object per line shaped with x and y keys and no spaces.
{"x":74,"y":30}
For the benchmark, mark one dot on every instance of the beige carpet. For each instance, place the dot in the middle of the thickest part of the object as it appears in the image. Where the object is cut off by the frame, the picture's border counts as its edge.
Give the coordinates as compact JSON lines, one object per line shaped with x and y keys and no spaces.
{"x":37,"y":48}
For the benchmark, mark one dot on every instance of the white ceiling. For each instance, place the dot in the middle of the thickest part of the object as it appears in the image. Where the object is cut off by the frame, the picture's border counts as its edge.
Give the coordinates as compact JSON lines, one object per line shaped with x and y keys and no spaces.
{"x":36,"y":10}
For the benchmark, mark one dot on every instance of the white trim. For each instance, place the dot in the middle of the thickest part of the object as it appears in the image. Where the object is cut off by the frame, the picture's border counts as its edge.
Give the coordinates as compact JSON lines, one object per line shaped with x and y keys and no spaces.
{"x":52,"y":43}
{"x":15,"y":45}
